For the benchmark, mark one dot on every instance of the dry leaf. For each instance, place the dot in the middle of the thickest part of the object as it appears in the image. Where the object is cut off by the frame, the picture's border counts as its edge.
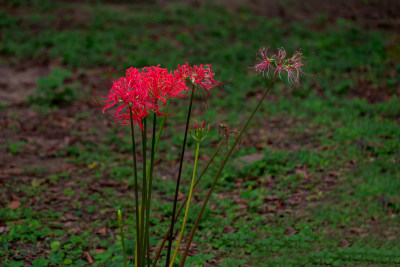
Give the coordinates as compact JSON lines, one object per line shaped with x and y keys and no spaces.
{"x":102,"y":231}
{"x":4,"y":229}
{"x":334,"y":173}
{"x":13,"y":205}
{"x":89,"y":257}
{"x":356,"y":230}
{"x":70,"y":183}
{"x":69,"y":224}
{"x":100,"y":250}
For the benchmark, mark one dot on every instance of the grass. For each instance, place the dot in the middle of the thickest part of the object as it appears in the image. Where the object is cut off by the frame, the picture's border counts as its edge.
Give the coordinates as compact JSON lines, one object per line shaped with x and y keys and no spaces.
{"x":325,"y":191}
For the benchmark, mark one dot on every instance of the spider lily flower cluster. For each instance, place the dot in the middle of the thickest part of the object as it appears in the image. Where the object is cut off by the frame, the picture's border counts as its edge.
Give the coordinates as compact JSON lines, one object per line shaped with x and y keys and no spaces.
{"x":148,"y":90}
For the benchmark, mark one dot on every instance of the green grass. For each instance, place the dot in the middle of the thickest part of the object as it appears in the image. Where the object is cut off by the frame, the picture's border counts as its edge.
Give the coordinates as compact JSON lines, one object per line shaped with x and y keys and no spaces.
{"x":324,"y":193}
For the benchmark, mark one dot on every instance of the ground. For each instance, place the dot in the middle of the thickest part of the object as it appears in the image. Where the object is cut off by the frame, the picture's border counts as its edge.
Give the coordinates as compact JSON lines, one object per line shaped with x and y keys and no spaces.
{"x":315,"y":180}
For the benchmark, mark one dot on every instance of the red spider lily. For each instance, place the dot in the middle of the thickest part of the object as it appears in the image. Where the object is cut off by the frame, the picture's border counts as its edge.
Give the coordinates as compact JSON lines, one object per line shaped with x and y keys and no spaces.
{"x":183,"y":72}
{"x":200,"y":76}
{"x":141,"y":91}
{"x":264,"y":62}
{"x":127,"y":93}
{"x":278,"y":64}
{"x":162,"y":85}
{"x":295,"y":63}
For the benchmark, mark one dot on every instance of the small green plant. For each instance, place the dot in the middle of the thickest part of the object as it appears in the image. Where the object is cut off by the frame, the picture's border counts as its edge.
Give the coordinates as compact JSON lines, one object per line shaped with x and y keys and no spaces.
{"x":15,"y":148}
{"x":53,"y":89}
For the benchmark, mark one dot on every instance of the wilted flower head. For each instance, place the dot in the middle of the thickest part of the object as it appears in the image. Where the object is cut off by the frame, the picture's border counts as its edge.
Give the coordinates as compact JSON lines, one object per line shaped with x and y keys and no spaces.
{"x":226,"y":132}
{"x":199,"y":132}
{"x":277,"y":63}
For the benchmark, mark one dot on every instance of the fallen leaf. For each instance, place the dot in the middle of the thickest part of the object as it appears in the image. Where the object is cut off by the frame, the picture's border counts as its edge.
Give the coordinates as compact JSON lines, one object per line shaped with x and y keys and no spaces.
{"x":239,"y":180}
{"x":70,"y":183}
{"x":89,"y":257}
{"x":68,"y":217}
{"x":4,"y":229}
{"x":248,"y":159}
{"x":92,"y":165}
{"x":69,"y":224}
{"x":344,"y":244}
{"x":102,"y":231}
{"x":334,"y":173}
{"x":271,"y":197}
{"x":356,"y":230}
{"x":14,"y":205}
{"x":100,"y":250}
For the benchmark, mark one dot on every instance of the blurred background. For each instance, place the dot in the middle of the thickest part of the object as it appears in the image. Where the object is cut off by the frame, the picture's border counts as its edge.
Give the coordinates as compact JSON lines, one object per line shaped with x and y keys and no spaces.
{"x":316,"y":178}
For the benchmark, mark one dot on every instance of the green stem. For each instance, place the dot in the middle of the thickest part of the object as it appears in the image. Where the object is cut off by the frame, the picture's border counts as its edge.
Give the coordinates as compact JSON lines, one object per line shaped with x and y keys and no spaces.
{"x":144,"y":194}
{"x":187,"y":205}
{"x":150,"y":188}
{"x":184,"y":202}
{"x":178,"y":181}
{"x":155,"y":147}
{"x":161,"y":126}
{"x":219,"y":173}
{"x":136,"y":185}
{"x":121,"y":227}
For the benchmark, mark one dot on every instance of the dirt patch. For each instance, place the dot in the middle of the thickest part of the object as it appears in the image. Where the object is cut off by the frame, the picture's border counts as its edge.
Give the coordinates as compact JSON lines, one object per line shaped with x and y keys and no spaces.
{"x":370,"y":14}
{"x":17,"y":84}
{"x":372,"y":93}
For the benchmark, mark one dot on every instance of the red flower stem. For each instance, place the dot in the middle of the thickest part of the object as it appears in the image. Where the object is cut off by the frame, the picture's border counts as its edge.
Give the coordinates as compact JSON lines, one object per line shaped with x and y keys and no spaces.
{"x":219,"y":173}
{"x":178,"y":181}
{"x":136,"y":183}
{"x":153,"y":140}
{"x":184,"y":202}
{"x":144,"y":193}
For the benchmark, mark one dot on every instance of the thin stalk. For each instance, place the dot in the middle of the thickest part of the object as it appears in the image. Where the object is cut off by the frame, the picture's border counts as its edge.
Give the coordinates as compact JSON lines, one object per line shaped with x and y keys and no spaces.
{"x":121,"y":227}
{"x":187,"y":205}
{"x":148,"y":169}
{"x":136,"y":187}
{"x":161,"y":126}
{"x":153,"y":140}
{"x":136,"y":251}
{"x":144,"y":194}
{"x":219,"y":173}
{"x":158,"y":136}
{"x":178,"y":181}
{"x":184,"y":202}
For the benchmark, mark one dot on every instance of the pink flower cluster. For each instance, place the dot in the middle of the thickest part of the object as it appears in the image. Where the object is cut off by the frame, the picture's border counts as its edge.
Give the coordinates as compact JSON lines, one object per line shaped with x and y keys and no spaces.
{"x":148,"y":89}
{"x":277,"y":63}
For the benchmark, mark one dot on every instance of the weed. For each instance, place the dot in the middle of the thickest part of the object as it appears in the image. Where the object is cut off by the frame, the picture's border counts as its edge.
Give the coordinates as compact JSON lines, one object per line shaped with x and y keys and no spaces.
{"x":15,"y":148}
{"x":53,"y":91}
